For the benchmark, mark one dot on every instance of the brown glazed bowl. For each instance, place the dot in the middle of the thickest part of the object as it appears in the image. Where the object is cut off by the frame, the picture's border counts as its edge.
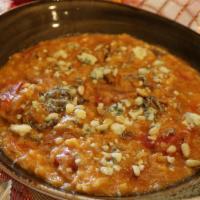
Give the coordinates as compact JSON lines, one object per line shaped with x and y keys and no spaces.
{"x":46,"y":19}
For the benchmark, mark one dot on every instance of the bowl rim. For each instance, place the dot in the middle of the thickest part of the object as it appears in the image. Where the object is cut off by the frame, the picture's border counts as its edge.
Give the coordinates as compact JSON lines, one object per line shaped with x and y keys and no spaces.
{"x":109,"y":2}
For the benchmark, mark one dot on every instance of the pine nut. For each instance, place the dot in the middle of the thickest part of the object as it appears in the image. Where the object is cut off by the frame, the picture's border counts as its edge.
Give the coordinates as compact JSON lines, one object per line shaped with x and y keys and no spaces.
{"x":185,"y":148}
{"x":171,"y":149}
{"x":136,"y":170}
{"x":192,"y":163}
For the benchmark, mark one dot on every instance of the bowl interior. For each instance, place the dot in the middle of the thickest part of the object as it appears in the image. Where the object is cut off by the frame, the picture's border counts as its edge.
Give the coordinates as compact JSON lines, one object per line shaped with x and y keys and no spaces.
{"x":42,"y":20}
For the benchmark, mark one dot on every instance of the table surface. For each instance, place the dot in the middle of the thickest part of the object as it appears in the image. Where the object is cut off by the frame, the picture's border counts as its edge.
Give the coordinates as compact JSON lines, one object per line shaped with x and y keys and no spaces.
{"x":186,"y":12}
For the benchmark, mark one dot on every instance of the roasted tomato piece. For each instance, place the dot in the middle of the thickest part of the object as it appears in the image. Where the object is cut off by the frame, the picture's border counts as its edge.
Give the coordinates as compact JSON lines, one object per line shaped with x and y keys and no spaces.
{"x":65,"y":162}
{"x":15,"y":100}
{"x":7,"y":96}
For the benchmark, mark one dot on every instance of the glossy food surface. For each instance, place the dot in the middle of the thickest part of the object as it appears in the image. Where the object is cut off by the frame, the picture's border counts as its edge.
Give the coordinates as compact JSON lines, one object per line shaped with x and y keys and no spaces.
{"x":101,"y":114}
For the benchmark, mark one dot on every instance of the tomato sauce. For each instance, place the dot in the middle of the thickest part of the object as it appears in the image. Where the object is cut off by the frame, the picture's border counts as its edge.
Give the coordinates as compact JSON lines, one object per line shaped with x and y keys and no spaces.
{"x":100,"y":114}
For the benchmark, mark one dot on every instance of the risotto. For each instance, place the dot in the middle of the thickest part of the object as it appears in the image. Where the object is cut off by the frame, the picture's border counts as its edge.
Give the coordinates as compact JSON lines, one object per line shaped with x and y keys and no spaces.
{"x":101,"y":114}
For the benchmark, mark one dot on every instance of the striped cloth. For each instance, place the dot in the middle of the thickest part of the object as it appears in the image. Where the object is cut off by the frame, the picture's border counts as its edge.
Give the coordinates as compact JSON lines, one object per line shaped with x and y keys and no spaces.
{"x":186,"y":12}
